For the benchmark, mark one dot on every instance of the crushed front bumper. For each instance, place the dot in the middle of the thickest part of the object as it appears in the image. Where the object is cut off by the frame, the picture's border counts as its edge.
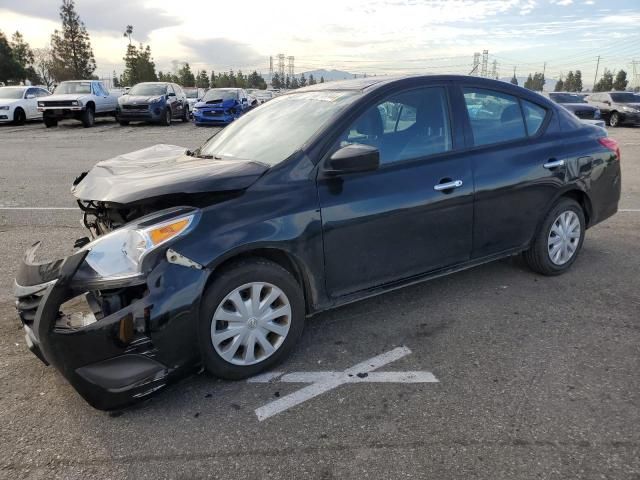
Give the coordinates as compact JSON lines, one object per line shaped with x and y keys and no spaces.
{"x":123,"y":352}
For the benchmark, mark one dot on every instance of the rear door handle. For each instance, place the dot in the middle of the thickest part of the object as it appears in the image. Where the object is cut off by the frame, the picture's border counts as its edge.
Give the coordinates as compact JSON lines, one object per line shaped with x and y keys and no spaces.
{"x":554,"y":164}
{"x":448,"y":185}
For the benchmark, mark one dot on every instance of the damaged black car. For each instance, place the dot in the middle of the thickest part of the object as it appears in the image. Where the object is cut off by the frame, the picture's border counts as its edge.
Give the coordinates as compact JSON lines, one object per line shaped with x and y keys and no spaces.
{"x":213,"y":258}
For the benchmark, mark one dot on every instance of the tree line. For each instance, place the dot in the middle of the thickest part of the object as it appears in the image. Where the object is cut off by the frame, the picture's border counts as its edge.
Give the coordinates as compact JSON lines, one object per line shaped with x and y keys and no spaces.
{"x":573,"y":82}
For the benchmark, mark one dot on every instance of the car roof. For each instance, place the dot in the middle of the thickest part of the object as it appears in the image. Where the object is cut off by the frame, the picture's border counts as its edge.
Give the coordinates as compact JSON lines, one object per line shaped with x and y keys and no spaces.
{"x":370,"y":83}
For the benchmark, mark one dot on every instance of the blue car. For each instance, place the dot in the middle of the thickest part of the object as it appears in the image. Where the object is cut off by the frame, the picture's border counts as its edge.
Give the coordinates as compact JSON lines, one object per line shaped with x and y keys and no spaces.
{"x":220,"y":106}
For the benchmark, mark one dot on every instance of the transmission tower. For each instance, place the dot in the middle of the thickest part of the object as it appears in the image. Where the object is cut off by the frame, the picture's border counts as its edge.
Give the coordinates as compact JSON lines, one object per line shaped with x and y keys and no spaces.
{"x":270,"y":66}
{"x":485,"y":62}
{"x":635,"y":81}
{"x":476,"y":64}
{"x":494,"y":69}
{"x":290,"y":69}
{"x":281,"y":66}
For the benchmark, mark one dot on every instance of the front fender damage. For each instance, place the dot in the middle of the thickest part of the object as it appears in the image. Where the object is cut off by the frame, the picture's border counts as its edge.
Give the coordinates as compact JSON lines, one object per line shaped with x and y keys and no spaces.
{"x":138,"y":335}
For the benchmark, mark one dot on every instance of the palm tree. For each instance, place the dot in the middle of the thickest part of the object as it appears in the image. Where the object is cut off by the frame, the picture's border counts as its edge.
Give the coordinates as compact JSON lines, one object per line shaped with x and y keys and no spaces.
{"x":128,"y":32}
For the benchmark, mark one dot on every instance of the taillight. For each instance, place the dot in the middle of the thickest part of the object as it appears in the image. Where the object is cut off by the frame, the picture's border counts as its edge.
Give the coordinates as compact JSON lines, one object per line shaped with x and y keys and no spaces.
{"x":611,"y":144}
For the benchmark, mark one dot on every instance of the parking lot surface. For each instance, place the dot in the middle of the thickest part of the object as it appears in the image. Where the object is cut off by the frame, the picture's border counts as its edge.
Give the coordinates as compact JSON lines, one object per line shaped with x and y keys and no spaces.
{"x":537,"y":377}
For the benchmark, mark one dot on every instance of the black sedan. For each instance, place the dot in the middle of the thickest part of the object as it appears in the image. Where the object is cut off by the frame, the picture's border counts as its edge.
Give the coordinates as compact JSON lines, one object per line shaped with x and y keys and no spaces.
{"x":320,"y":197}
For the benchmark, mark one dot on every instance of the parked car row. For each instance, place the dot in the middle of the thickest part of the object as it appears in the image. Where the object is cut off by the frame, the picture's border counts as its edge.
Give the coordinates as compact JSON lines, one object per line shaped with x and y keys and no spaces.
{"x":614,"y":108}
{"x":157,"y":102}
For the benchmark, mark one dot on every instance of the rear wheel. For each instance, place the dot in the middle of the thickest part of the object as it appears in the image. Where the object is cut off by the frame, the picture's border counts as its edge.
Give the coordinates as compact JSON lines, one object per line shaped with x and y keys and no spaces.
{"x":19,"y":117}
{"x":614,"y":119}
{"x":252,"y":317}
{"x":557,"y":244}
{"x":88,"y":117}
{"x":50,"y":122}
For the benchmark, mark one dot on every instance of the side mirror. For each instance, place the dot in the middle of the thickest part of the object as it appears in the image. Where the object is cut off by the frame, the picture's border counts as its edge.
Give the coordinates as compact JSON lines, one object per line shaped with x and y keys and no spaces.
{"x":354,"y":158}
{"x":30,"y":96}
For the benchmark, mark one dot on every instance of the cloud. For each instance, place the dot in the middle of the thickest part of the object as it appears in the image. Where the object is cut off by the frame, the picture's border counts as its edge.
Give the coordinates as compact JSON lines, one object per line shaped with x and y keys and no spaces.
{"x":223,"y":52}
{"x":98,"y":16}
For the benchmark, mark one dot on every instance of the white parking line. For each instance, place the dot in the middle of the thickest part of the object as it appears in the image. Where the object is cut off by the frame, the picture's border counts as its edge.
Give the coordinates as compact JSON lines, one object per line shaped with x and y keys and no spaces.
{"x":39,"y":208}
{"x":322,"y":382}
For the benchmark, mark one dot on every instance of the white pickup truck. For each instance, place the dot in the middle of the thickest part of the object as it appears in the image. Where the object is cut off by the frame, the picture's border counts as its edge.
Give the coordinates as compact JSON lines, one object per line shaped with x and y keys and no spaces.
{"x":79,"y":99}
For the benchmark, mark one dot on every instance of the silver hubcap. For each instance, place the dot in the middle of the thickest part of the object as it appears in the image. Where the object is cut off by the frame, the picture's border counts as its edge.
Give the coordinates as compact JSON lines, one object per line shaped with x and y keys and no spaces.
{"x":564,"y":237}
{"x":251,"y":323}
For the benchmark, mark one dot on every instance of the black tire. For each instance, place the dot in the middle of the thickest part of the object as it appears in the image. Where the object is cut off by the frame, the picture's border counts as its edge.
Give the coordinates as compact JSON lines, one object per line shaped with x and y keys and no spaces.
{"x":232,"y":277}
{"x":614,"y":119}
{"x":124,"y":123}
{"x":50,"y":122}
{"x":88,"y":117}
{"x":166,"y":121}
{"x":19,"y":117}
{"x":538,"y":257}
{"x":185,"y":113}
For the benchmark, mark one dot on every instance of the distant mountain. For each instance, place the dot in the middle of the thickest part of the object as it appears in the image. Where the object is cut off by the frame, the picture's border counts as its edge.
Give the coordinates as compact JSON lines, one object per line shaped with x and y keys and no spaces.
{"x":328,"y":75}
{"x":549,"y":84}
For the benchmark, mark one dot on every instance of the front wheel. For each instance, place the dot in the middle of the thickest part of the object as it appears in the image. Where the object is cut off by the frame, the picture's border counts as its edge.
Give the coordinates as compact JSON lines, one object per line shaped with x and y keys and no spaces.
{"x":88,"y":118}
{"x":50,"y":122}
{"x":252,"y":317}
{"x":19,"y":117}
{"x":614,"y":119}
{"x":166,"y":121}
{"x":557,"y":244}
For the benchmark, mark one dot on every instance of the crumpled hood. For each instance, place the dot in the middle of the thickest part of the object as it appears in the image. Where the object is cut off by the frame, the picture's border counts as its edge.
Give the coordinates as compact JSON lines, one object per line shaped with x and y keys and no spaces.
{"x":163,"y":170}
{"x":224,"y":104}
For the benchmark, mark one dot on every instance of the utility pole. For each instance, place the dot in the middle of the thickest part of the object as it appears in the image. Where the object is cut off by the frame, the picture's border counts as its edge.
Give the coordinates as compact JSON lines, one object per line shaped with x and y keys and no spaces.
{"x":595,"y":79}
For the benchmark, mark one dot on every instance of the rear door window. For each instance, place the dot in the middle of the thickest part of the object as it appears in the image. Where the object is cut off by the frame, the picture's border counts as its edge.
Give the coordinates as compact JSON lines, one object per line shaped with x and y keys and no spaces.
{"x":495,"y":117}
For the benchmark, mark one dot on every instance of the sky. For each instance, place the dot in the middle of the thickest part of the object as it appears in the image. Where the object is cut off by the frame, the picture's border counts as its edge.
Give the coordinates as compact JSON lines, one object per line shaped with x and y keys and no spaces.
{"x":376,"y":37}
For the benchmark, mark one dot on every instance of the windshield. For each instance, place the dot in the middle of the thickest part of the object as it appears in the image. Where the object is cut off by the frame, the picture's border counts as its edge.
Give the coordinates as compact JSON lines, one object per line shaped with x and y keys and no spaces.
{"x":11,"y":93}
{"x":148,"y":89}
{"x":625,"y":97}
{"x":216,"y":95}
{"x":274,"y":131}
{"x":73,"y":87}
{"x":191,"y":93}
{"x":567,"y":98}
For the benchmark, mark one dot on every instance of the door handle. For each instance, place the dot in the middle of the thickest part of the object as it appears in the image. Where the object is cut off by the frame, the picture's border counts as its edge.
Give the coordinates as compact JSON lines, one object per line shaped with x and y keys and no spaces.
{"x":448,"y":185}
{"x":554,"y":164}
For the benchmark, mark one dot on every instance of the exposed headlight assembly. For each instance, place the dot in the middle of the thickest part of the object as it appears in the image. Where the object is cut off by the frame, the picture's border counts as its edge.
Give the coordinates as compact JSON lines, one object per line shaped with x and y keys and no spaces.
{"x":119,"y":254}
{"x":4,"y":107}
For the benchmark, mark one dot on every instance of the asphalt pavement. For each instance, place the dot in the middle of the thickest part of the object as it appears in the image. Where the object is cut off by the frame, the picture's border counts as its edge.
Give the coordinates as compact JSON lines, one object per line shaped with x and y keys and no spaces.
{"x":535,"y":377}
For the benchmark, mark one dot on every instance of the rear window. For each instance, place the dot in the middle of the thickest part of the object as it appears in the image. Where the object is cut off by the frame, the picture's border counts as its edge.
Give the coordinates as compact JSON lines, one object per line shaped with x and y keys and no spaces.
{"x":533,"y":116}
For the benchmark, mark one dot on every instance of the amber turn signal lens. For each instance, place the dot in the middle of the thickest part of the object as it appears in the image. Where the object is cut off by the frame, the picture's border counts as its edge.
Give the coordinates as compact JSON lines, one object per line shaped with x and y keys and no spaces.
{"x":161,"y":234}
